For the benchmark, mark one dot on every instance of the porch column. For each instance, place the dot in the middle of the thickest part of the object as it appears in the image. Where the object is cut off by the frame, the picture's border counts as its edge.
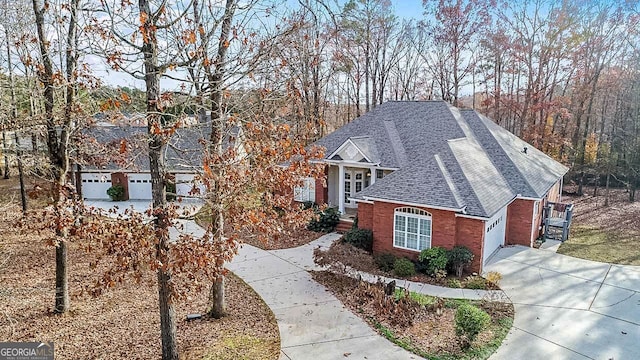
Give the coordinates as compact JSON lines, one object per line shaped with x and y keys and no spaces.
{"x":373,"y":176}
{"x":341,"y":188}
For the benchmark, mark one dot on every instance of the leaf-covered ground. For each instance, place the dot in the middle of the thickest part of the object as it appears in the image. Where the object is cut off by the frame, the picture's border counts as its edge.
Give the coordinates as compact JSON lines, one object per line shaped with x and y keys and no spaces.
{"x":425,"y":327}
{"x":606,"y":234}
{"x":123,"y":322}
{"x":289,"y":238}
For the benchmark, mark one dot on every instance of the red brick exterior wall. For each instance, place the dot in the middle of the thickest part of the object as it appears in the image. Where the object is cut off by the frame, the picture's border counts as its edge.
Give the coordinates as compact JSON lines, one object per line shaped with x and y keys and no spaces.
{"x":121,"y":179}
{"x":322,"y":191}
{"x":447,"y":230}
{"x":365,"y":216}
{"x":519,"y":217}
{"x":470,"y":233}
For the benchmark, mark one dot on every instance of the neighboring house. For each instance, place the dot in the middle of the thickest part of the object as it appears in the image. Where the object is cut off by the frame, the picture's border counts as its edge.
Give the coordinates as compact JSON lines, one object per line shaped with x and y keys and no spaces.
{"x":421,"y":174}
{"x":183,"y":161}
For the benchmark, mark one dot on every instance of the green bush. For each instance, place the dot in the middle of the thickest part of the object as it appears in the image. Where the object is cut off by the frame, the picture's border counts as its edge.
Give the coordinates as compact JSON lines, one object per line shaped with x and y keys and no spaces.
{"x":324,"y":221}
{"x":433,"y":260}
{"x":360,"y":238}
{"x":459,"y":257}
{"x":308,"y":205}
{"x":403,"y":267}
{"x":116,"y":192}
{"x":170,"y":190}
{"x":470,"y":321}
{"x":454,"y":283}
{"x":385,"y":261}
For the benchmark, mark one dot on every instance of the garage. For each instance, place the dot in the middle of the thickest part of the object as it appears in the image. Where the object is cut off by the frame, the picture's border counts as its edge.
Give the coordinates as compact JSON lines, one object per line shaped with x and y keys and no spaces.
{"x":494,"y":234}
{"x":184,"y":185}
{"x":95,"y":185}
{"x":140,"y":186}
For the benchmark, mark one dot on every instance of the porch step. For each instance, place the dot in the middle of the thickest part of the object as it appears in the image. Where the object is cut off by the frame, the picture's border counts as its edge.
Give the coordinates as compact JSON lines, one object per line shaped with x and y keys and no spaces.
{"x":344,"y":226}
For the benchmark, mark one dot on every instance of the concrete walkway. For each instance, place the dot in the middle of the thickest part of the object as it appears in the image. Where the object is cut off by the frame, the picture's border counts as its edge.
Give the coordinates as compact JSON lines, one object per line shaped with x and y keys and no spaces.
{"x":313,"y":323}
{"x":568,"y":308}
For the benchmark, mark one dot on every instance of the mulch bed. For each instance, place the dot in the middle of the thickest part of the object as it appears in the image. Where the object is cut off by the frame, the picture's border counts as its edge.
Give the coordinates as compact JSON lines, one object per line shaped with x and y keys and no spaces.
{"x":123,"y":322}
{"x":348,"y":255}
{"x":422,"y":326}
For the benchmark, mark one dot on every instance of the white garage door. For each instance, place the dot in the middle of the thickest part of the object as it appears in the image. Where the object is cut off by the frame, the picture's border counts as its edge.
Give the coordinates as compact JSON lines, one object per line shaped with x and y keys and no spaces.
{"x":494,"y":233}
{"x":184,"y":185}
{"x":95,"y":185}
{"x":140,"y":187}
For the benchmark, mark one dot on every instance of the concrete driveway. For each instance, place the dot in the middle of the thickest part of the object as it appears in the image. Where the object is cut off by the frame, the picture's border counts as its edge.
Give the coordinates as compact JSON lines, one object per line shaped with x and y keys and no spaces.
{"x":568,"y":308}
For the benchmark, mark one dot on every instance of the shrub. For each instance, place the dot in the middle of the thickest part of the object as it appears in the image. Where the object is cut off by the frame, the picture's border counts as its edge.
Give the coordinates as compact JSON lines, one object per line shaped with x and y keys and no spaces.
{"x":404,"y":267}
{"x":360,"y":238}
{"x":433,"y":260}
{"x":470,"y":321}
{"x":324,"y":221}
{"x":459,"y":257}
{"x":455,"y":283}
{"x":308,"y":205}
{"x":171,"y":191}
{"x":494,"y":277}
{"x":476,"y":282}
{"x":385,"y":261}
{"x":116,"y":192}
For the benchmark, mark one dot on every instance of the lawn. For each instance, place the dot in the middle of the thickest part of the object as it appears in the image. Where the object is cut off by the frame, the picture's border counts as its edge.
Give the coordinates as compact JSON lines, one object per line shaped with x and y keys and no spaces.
{"x":608,"y":234}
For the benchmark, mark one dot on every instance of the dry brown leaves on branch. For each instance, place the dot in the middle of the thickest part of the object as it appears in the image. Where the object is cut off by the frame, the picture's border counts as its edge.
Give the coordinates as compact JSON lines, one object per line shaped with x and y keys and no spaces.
{"x":123,"y":322}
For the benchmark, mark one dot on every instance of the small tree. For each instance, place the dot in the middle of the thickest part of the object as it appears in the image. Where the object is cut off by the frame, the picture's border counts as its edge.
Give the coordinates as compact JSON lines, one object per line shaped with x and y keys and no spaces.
{"x":459,"y":257}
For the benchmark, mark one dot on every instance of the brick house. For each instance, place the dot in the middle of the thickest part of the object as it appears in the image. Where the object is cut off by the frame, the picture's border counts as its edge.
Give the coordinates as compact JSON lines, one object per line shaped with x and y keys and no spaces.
{"x":423,"y":173}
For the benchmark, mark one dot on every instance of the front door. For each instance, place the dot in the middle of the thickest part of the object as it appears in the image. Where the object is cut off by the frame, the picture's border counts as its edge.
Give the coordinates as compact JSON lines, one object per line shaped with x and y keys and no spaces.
{"x":353,"y":184}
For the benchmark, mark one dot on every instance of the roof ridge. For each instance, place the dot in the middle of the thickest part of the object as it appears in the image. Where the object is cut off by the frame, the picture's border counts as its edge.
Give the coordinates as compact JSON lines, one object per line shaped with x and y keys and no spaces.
{"x":449,"y":180}
{"x":396,"y":142}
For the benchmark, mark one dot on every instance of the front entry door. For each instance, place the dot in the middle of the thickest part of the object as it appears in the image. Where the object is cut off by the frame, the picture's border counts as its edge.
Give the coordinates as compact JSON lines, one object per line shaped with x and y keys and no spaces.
{"x":353,"y":184}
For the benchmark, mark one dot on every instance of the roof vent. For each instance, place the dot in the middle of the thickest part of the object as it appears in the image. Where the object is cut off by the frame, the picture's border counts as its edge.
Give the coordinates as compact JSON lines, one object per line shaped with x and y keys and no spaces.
{"x":524,"y":150}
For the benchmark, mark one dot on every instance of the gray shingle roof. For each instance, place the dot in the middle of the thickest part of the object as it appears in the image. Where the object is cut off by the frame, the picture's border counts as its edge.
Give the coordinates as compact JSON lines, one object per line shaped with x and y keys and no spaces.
{"x":183,"y":153}
{"x":447,"y":157}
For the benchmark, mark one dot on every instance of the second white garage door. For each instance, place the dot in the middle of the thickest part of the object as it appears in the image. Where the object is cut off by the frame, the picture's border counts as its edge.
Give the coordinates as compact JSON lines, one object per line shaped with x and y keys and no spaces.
{"x":140,"y":187}
{"x":494,"y":233}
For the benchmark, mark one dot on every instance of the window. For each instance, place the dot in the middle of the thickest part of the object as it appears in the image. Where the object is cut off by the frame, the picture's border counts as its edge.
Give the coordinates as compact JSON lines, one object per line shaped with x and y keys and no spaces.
{"x":379,"y":174}
{"x":411,"y":229}
{"x":306,"y":192}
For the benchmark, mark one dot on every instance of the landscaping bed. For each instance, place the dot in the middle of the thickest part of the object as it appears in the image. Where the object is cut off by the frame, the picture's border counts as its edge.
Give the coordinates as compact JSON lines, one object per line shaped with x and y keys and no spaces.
{"x":607,"y":234}
{"x":124,"y":321}
{"x":422,"y":324}
{"x":342,"y":256}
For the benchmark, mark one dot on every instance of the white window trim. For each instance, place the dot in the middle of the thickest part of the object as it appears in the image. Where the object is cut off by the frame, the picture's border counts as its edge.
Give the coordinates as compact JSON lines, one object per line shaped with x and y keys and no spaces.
{"x":306,"y":192}
{"x":411,"y":212}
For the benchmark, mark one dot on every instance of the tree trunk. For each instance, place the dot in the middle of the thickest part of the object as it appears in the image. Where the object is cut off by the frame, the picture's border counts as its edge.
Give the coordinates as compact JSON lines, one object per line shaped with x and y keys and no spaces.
{"x":5,"y":152}
{"x":62,"y":279}
{"x":606,"y":191}
{"x":23,"y":194}
{"x":162,"y":222}
{"x":218,"y":306}
{"x":58,"y":153}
